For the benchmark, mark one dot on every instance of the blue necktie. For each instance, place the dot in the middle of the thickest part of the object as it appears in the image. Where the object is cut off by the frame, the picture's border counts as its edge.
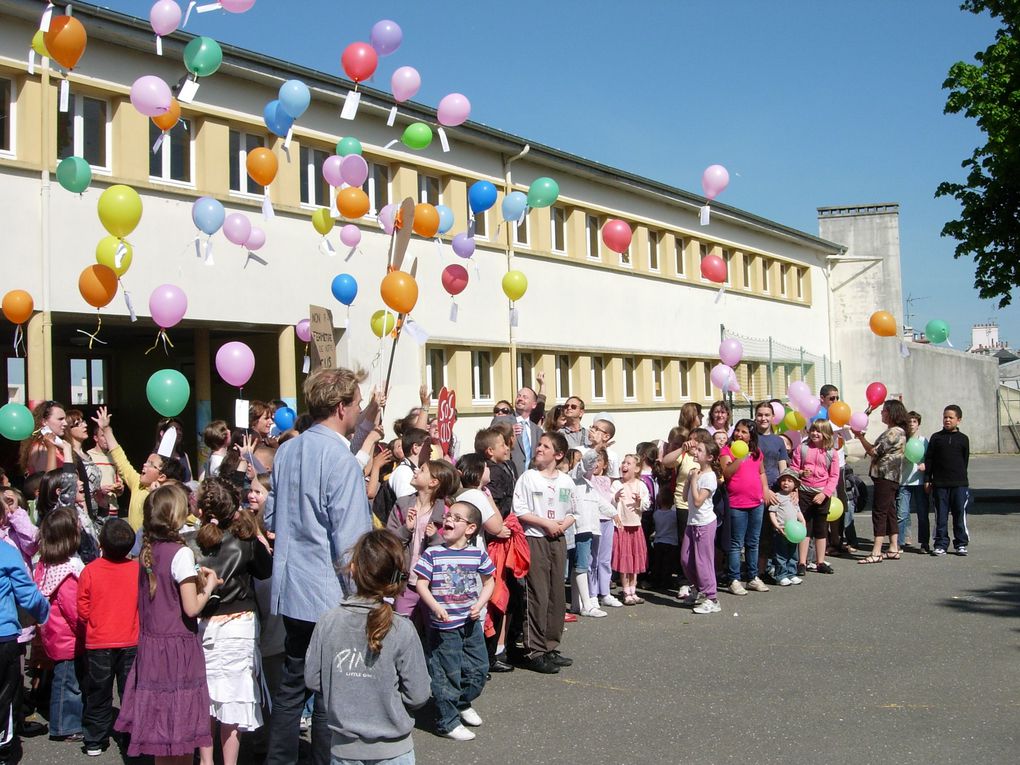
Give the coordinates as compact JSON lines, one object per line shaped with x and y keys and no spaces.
{"x":526,"y":439}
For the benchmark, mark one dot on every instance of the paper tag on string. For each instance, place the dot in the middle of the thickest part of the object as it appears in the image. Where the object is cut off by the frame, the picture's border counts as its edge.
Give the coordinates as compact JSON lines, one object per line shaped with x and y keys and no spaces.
{"x":478,"y":271}
{"x":241,"y":413}
{"x":904,"y":350}
{"x":159,"y":45}
{"x":187,"y":13}
{"x":198,"y":247}
{"x":391,"y":144}
{"x":168,"y":441}
{"x":719,"y":294}
{"x":350,"y":110}
{"x":189,"y":89}
{"x":159,"y":143}
{"x":514,"y":317}
{"x":44,"y":22}
{"x":326,"y":247}
{"x":705,"y":213}
{"x":31,"y":61}
{"x":205,"y":9}
{"x":523,"y":216}
{"x":306,"y":365}
{"x":471,"y":227}
{"x":208,"y":252}
{"x":65,"y":93}
{"x":392,"y":116}
{"x":416,"y":331}
{"x":267,"y":206}
{"x":453,"y":311}
{"x":439,"y":247}
{"x":443,"y":140}
{"x":119,"y":253}
{"x":130,"y":305}
{"x":286,"y":141}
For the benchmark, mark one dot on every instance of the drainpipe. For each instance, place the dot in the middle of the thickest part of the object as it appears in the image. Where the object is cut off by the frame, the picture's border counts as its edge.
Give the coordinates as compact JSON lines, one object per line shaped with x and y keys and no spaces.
{"x":507,"y":188}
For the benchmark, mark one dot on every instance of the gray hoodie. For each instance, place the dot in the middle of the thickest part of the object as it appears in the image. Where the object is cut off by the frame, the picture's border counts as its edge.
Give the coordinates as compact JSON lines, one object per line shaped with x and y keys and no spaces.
{"x":367,"y":696}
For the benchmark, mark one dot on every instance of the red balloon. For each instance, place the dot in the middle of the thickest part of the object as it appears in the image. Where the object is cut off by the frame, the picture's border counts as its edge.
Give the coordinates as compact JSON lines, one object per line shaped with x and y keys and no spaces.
{"x":455,"y":279}
{"x":876,"y":394}
{"x":713,"y":268}
{"x":359,"y":61}
{"x":617,"y":235}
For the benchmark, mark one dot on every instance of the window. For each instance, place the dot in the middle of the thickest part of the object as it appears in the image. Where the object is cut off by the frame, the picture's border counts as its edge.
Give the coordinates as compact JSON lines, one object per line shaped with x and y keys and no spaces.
{"x":6,"y":116}
{"x":563,"y":376}
{"x":14,"y":370}
{"x":800,"y":283}
{"x":88,"y":382}
{"x":685,"y":379}
{"x":784,"y":274}
{"x":481,"y":376}
{"x":173,"y":160}
{"x":658,"y":390}
{"x":703,"y":253}
{"x":727,"y":257}
{"x":558,"y":216}
{"x":428,"y":190}
{"x":653,"y":251}
{"x":746,"y":263}
{"x":764,"y":274}
{"x":706,"y":368}
{"x":435,"y":370}
{"x":525,"y":369}
{"x":84,"y":131}
{"x":629,"y":382}
{"x":591,"y":226}
{"x":314,"y":189}
{"x":481,"y":224}
{"x":598,"y":378}
{"x":521,"y":231}
{"x":377,"y":186}
{"x":240,"y":145}
{"x":625,"y":258}
{"x":679,"y":252}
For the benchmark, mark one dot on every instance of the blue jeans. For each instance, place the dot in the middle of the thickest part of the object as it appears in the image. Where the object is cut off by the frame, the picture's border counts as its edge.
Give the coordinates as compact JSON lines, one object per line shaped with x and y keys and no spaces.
{"x":745,"y":527}
{"x":582,"y":551}
{"x":458,"y":663}
{"x":951,"y":500}
{"x":911,"y":500}
{"x":65,"y":699}
{"x":784,"y":556}
{"x":404,"y":759}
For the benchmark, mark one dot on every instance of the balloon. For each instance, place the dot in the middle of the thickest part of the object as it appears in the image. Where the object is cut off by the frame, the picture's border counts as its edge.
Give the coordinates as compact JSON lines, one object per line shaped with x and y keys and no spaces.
{"x":348,"y":145}
{"x":794,"y":531}
{"x":720,"y":376}
{"x":387,"y":217}
{"x":285,"y":418}
{"x":883,"y":324}
{"x":731,"y":351}
{"x":203,"y":56}
{"x":39,"y":43}
{"x":515,"y":284}
{"x":97,"y":284}
{"x":835,"y":509}
{"x":331,"y":170}
{"x":714,"y":180}
{"x":208,"y":215}
{"x":713,"y":268}
{"x":66,"y":40}
{"x":277,"y":121}
{"x":255,"y":239}
{"x":399,"y":291}
{"x":543,"y":192}
{"x":350,"y":235}
{"x":235,"y":363}
{"x":937,"y":331}
{"x":120,"y":209}
{"x":914,"y":450}
{"x":778,"y":412}
{"x":352,"y":202}
{"x":164,"y":16}
{"x":261,"y":165}
{"x":170,"y":117}
{"x":74,"y":174}
{"x":237,"y":228}
{"x":858,"y":422}
{"x":453,"y":110}
{"x":106,"y":254}
{"x":445,"y":218}
{"x":839,"y":413}
{"x":303,"y":330}
{"x":617,"y":235}
{"x":876,"y":393}
{"x":481,"y":196}
{"x":798,"y":391}
{"x":359,"y":61}
{"x":455,"y":278}
{"x":386,"y":37}
{"x":794,"y":421}
{"x":513,"y":206}
{"x":16,"y":421}
{"x":739,"y":449}
{"x":463,"y":245}
{"x":382,"y":323}
{"x":426,"y":220}
{"x":18,"y":306}
{"x":294,"y":98}
{"x":168,"y":392}
{"x":354,"y":170}
{"x":344,"y":288}
{"x":167,"y":305}
{"x":417,"y":135}
{"x":151,"y":96}
{"x":322,"y":221}
{"x":809,"y":407}
{"x":405,"y":83}
{"x":237,"y":6}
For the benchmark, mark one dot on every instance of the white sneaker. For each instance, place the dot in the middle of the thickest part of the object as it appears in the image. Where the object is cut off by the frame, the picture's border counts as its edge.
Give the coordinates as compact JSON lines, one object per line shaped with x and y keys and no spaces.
{"x":785,"y":581}
{"x":708,"y":607}
{"x":737,"y":588}
{"x":470,"y":717}
{"x":611,"y":601}
{"x":460,"y":733}
{"x":692,"y":597}
{"x":593,"y":611}
{"x":757,"y":585}
{"x":796,"y":580}
{"x":306,"y":723}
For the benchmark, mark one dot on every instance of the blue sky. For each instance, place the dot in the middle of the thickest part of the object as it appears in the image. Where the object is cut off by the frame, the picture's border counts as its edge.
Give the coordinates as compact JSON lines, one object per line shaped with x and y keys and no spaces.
{"x":807,"y":103}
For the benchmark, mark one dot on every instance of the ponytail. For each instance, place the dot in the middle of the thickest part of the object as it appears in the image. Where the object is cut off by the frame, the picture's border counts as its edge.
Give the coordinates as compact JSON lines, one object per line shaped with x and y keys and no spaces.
{"x":219,"y":500}
{"x":376,"y":565}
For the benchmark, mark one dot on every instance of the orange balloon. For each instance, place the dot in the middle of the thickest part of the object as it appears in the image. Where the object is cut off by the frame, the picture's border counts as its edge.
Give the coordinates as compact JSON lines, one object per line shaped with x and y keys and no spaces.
{"x":168,"y":119}
{"x":883,"y":324}
{"x":66,"y":41}
{"x":262,"y":165}
{"x":18,"y":306}
{"x":97,"y":284}
{"x":839,"y":413}
{"x":352,"y":202}
{"x":426,"y":220}
{"x":399,"y":291}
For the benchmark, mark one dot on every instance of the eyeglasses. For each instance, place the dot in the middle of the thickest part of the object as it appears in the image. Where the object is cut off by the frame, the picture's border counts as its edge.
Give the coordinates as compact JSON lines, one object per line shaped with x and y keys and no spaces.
{"x":457,"y":519}
{"x":571,"y":406}
{"x":600,"y":430}
{"x":150,"y":465}
{"x":502,"y":410}
{"x":832,"y":398}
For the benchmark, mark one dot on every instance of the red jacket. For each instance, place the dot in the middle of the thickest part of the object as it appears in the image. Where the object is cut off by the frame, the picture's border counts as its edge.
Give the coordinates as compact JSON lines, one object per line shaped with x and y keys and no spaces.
{"x":108,"y":603}
{"x":511,"y":555}
{"x":62,"y":635}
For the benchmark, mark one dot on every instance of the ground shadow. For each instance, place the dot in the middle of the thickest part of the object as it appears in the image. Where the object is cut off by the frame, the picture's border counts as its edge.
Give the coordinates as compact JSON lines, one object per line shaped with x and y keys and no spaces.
{"x":1000,"y":599}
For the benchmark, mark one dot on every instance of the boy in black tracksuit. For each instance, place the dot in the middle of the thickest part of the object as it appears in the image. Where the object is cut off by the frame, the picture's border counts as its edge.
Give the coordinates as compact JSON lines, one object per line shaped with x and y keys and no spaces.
{"x":946,"y":464}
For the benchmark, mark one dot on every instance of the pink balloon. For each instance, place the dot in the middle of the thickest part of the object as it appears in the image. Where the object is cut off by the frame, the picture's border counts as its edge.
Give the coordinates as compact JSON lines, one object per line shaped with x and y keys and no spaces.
{"x":722,"y":377}
{"x":453,"y":110}
{"x":858,"y":422}
{"x":256,"y":239}
{"x":617,"y":235}
{"x":778,"y":412}
{"x":354,"y":170}
{"x":731,"y":351}
{"x":151,"y":96}
{"x":809,"y":407}
{"x":235,"y":363}
{"x":795,"y":438}
{"x":237,"y":6}
{"x":714,"y":180}
{"x":386,"y":217}
{"x":303,"y":330}
{"x":164,"y":16}
{"x":331,"y":170}
{"x":404,"y":83}
{"x":350,"y":235}
{"x":167,"y":305}
{"x":798,"y":391}
{"x":237,"y":228}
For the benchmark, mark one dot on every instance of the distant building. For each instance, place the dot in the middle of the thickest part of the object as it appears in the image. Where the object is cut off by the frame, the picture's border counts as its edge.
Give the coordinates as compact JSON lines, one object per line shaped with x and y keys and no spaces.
{"x":984,"y":339}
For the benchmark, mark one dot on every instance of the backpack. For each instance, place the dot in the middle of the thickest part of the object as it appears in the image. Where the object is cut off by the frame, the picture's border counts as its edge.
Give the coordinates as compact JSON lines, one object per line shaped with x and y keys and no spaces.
{"x":856,"y":490}
{"x":829,"y":455}
{"x":384,"y":501}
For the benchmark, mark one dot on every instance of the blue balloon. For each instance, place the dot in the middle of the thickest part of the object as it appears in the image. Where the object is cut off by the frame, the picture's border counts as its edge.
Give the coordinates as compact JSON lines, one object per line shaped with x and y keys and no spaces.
{"x":823,"y":414}
{"x":208,"y":215}
{"x":514,"y":205}
{"x":294,"y":98}
{"x":481,"y":196}
{"x":277,"y":120}
{"x":284,"y":418}
{"x":445,"y":218}
{"x":345,"y":288}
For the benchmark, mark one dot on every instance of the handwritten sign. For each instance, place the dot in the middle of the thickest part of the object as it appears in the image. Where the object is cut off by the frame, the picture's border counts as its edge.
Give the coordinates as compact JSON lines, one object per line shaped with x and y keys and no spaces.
{"x":323,"y":344}
{"x":446,"y":417}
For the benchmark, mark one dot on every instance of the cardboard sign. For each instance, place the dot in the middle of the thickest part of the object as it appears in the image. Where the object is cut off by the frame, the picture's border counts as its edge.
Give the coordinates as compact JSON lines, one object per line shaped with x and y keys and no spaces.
{"x":446,"y":417}
{"x":323,"y":344}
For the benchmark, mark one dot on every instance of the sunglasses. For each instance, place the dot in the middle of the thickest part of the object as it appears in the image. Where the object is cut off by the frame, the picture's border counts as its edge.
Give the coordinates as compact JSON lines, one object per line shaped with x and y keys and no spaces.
{"x":572,"y":406}
{"x":501,"y":410}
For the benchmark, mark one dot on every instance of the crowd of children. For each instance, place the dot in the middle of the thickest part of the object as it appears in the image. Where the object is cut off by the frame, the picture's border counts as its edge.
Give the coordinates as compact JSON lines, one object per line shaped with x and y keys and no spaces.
{"x":169,"y":602}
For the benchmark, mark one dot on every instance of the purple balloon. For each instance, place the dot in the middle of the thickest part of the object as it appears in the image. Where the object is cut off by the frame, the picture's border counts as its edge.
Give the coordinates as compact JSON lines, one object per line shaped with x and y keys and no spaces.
{"x":858,"y":422}
{"x":256,"y":239}
{"x":404,"y":83}
{"x":235,"y":363}
{"x":722,"y":377}
{"x":809,"y":407}
{"x":167,"y":305}
{"x":331,"y":170}
{"x":730,"y":352}
{"x":453,"y":110}
{"x":164,"y":16}
{"x":386,"y":37}
{"x":799,"y":391}
{"x":303,"y":330}
{"x":237,"y":228}
{"x":463,"y":245}
{"x":386,"y":217}
{"x":354,"y":170}
{"x":350,"y":235}
{"x":151,"y":96}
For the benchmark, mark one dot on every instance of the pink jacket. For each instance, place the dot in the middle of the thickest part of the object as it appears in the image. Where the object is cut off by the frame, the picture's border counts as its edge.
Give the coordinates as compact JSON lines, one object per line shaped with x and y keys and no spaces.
{"x":63,"y":636}
{"x":825,"y":478}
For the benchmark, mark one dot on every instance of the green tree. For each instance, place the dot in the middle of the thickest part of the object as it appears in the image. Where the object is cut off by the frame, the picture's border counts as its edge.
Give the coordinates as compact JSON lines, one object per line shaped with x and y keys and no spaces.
{"x":989,"y":92}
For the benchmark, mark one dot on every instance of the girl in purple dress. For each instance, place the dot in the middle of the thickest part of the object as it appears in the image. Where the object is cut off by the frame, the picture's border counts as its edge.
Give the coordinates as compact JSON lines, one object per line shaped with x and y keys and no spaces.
{"x":166,"y":701}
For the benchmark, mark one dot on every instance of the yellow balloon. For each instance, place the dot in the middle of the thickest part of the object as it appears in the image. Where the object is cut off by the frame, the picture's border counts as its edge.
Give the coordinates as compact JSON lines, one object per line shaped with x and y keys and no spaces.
{"x":794,"y":420}
{"x":383,"y":322}
{"x":106,"y":254}
{"x":515,"y":284}
{"x":120,"y":209}
{"x":835,"y":509}
{"x":39,"y":44}
{"x":322,"y":221}
{"x":739,"y":449}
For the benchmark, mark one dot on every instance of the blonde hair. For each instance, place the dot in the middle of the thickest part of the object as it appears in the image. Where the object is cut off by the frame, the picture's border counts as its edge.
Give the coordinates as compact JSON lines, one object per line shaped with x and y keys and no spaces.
{"x":823,"y":427}
{"x":326,"y":389}
{"x":164,"y":513}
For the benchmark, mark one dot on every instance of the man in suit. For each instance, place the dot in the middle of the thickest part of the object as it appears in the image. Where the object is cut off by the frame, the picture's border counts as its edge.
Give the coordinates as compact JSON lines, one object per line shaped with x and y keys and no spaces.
{"x":526,"y":432}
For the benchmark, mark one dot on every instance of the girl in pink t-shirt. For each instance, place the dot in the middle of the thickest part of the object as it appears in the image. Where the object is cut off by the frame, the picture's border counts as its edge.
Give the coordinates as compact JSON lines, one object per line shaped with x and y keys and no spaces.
{"x":746,"y":485}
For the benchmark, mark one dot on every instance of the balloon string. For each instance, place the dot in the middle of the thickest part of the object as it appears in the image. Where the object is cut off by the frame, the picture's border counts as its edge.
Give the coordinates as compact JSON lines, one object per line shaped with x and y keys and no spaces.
{"x":161,"y":335}
{"x":93,"y":335}
{"x":19,"y":340}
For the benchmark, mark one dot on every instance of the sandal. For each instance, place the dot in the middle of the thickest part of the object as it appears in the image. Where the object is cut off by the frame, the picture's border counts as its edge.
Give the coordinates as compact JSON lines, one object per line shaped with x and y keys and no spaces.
{"x":630,"y":600}
{"x":870,"y":559}
{"x":638,"y":600}
{"x":892,"y":555}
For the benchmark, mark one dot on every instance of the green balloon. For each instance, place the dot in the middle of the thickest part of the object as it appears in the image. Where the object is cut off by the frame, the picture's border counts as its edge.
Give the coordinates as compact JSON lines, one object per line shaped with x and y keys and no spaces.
{"x":168,"y":392}
{"x":937,"y":331}
{"x":543,"y":192}
{"x":348,"y":145}
{"x":914,"y":450}
{"x":203,"y":56}
{"x":74,"y":174}
{"x":794,"y":531}
{"x":417,"y":135}
{"x":16,"y":422}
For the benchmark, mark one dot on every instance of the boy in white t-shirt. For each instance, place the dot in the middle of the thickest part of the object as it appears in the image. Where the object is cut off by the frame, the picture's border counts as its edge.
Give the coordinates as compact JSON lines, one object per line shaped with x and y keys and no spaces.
{"x":412,"y":443}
